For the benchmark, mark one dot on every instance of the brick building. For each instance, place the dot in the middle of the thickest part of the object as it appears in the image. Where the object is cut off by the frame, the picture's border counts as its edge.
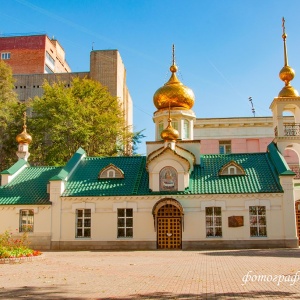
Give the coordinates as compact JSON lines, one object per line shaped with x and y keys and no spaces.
{"x":34,"y":54}
{"x":37,"y":57}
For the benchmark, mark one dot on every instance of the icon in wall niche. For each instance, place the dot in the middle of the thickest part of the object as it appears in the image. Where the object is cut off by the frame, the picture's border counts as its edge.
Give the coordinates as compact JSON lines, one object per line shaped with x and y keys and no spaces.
{"x":168,"y":179}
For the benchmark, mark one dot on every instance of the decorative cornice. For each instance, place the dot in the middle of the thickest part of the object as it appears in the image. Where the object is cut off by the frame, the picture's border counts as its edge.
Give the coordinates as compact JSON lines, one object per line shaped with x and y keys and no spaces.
{"x":156,"y":197}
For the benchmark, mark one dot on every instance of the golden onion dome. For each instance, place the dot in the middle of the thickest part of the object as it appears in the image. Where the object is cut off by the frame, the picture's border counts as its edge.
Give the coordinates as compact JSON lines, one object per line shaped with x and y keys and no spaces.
{"x":174,"y":93}
{"x":169,"y":133}
{"x":288,"y":91}
{"x":24,"y":137}
{"x":287,"y":74}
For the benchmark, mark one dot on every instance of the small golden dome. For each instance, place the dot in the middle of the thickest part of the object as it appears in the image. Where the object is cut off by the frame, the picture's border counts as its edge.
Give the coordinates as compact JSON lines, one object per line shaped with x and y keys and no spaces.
{"x":169,"y":133}
{"x":24,"y":137}
{"x":174,"y":93}
{"x":288,"y":91}
{"x":286,"y":74}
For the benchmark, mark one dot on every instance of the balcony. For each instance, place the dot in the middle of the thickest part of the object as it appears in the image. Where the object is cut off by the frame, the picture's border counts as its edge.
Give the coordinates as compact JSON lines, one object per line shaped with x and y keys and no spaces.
{"x":289,"y":129}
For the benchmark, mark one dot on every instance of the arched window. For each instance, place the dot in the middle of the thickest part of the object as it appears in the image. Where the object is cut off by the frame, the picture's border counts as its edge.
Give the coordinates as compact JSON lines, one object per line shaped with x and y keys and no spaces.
{"x":111,"y":173}
{"x":231,"y":170}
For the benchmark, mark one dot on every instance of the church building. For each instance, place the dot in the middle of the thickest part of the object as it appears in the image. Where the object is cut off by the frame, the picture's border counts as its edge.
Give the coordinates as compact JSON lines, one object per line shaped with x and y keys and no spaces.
{"x":175,"y":197}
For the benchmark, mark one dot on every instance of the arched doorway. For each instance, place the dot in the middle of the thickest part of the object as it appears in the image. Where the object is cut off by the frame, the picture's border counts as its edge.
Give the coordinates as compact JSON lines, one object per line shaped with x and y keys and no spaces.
{"x":297,"y":210}
{"x":168,"y":222}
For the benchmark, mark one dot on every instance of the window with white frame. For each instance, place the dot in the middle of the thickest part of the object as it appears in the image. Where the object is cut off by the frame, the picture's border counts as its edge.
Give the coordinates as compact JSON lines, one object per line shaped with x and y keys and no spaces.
{"x":175,"y":124}
{"x":258,"y":224}
{"x":224,"y":147}
{"x":213,"y":221}
{"x":125,"y":222}
{"x":26,"y":220}
{"x":83,"y":223}
{"x":5,"y":55}
{"x":186,"y":129}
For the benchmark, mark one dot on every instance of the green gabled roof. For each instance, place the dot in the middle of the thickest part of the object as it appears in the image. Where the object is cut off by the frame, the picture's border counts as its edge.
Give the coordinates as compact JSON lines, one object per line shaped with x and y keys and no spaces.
{"x":29,"y":187}
{"x":71,"y":164}
{"x":260,"y":177}
{"x":279,"y":162}
{"x":84,"y":181}
{"x":16,"y":167}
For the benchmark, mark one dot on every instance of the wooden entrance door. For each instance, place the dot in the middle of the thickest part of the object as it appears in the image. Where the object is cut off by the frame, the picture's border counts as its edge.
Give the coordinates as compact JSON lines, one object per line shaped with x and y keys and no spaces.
{"x":169,"y":227}
{"x":297,"y":209}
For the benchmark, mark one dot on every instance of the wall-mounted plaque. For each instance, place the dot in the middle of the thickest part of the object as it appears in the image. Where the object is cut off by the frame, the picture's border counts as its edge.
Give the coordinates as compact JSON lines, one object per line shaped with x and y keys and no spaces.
{"x":235,"y":221}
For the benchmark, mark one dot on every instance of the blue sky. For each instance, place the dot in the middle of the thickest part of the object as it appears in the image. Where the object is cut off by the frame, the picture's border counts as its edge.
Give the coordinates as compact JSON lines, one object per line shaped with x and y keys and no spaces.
{"x":226,"y":51}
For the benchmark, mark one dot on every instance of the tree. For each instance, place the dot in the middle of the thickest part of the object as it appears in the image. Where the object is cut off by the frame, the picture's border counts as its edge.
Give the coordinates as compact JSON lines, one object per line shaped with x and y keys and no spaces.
{"x":10,"y":117}
{"x":82,"y":115}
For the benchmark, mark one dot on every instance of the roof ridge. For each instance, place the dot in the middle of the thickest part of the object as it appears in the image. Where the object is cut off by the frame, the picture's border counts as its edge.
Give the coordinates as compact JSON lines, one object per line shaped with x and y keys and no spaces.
{"x":70,"y":166}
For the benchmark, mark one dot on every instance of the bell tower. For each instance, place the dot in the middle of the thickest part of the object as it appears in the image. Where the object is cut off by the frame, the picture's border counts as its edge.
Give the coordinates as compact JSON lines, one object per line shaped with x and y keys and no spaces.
{"x":286,"y":134}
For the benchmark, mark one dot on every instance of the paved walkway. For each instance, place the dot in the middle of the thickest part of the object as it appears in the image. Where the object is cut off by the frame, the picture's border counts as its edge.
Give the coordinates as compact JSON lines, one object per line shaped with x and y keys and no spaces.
{"x":236,"y":274}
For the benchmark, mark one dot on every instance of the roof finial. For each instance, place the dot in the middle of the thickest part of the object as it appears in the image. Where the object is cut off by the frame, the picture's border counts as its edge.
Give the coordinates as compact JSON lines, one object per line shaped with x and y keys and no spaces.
{"x":286,"y":74}
{"x":173,"y":68}
{"x":173,"y":54}
{"x":284,"y":35}
{"x":24,"y":120}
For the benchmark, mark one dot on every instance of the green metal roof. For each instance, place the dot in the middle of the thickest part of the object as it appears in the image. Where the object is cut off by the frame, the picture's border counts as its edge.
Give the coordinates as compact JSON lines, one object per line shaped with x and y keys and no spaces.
{"x":16,"y":167}
{"x":280,"y":164}
{"x":29,"y":187}
{"x":260,"y":177}
{"x":84,"y":181}
{"x":71,"y":164}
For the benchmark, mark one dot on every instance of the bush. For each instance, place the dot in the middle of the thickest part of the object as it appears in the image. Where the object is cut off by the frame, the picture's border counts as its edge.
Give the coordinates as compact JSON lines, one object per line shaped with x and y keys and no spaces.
{"x":11,"y":247}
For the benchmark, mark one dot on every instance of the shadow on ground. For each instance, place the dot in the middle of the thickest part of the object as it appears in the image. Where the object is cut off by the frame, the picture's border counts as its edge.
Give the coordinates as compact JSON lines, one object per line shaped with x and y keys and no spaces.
{"x":59,"y":293}
{"x":295,"y":252}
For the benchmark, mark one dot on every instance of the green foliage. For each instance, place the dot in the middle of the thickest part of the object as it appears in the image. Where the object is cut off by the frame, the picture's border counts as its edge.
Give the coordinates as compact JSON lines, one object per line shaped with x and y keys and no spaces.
{"x":11,"y":247}
{"x":10,"y":117}
{"x":136,"y":140}
{"x":63,"y":119}
{"x":82,"y":115}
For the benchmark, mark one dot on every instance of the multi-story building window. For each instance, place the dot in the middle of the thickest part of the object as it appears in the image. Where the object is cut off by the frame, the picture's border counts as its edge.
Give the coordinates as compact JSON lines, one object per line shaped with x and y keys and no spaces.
{"x":83,"y":223}
{"x":5,"y":55}
{"x":50,"y":61}
{"x":26,"y":220}
{"x":48,"y":70}
{"x":258,"y":224}
{"x":213,"y":221}
{"x":125,"y":222}
{"x":224,"y":147}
